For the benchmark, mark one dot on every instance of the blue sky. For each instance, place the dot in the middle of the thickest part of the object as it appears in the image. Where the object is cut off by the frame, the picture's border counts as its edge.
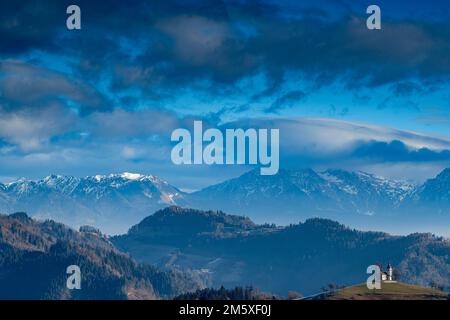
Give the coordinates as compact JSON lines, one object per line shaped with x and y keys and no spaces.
{"x":106,"y":98}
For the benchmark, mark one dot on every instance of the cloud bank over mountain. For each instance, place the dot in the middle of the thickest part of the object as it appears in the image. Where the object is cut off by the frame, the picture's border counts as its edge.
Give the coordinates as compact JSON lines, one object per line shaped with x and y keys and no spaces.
{"x":105,"y":98}
{"x":140,"y":141}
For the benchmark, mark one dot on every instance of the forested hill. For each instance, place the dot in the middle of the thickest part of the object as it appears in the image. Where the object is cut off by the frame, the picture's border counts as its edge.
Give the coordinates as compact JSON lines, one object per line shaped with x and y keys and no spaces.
{"x":34,"y":257}
{"x":303,"y":257}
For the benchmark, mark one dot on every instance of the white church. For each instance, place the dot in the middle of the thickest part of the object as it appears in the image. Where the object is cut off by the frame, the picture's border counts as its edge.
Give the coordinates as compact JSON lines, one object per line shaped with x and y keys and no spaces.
{"x":388,"y":276}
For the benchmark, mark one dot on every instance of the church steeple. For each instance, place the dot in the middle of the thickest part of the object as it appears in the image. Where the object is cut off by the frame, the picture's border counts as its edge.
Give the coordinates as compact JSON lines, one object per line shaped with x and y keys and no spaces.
{"x":390,"y":272}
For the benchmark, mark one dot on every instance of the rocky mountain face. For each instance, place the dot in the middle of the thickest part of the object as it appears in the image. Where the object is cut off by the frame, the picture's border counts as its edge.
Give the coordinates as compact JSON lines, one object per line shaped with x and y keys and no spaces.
{"x":34,"y":257}
{"x":303,"y":257}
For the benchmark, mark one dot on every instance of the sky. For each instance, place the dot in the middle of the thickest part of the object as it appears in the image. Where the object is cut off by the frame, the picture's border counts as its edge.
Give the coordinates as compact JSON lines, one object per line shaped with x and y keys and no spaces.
{"x":106,"y":98}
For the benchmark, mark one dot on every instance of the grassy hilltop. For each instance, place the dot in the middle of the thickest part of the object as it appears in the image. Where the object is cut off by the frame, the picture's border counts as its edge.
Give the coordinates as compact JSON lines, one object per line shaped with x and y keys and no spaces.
{"x":389,"y":291}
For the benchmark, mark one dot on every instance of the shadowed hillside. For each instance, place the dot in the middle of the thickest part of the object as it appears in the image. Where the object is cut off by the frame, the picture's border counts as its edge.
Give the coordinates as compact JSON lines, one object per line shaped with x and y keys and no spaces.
{"x":304,"y":257}
{"x":34,"y":257}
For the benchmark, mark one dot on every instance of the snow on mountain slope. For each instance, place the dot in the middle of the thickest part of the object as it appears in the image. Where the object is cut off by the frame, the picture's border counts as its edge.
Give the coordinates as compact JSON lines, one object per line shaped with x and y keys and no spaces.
{"x":106,"y":202}
{"x":114,"y":202}
{"x":304,"y":193}
{"x":430,"y":199}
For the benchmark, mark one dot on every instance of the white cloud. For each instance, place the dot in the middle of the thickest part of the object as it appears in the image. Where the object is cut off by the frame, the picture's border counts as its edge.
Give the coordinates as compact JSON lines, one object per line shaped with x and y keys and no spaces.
{"x":139,"y":141}
{"x":328,"y":136}
{"x":31,"y":129}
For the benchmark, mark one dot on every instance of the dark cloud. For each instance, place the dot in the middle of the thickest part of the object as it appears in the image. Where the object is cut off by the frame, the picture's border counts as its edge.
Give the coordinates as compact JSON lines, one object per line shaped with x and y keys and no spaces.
{"x":34,"y":24}
{"x":87,"y":100}
{"x":287,"y":100}
{"x":24,"y":85}
{"x":397,"y":151}
{"x":406,"y":89}
{"x":335,"y":111}
{"x":328,"y":143}
{"x":162,"y":46}
{"x":28,"y":24}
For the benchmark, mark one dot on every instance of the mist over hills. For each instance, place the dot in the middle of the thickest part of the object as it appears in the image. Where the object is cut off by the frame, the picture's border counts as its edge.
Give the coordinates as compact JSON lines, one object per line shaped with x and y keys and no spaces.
{"x":115,"y":202}
{"x":304,"y":257}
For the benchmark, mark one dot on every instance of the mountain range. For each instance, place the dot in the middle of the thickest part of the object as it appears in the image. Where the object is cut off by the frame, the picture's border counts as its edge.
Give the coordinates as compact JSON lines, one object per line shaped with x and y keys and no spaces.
{"x":110,"y":202}
{"x":301,"y":194}
{"x":233,"y":250}
{"x":115,"y":202}
{"x":358,"y":199}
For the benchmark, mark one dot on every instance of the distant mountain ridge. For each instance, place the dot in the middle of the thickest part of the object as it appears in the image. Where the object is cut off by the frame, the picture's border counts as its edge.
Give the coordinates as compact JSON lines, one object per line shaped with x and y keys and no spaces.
{"x":359,"y":199}
{"x":115,"y":202}
{"x":434,"y":192}
{"x":300,"y":194}
{"x":303,"y":257}
{"x":104,"y":201}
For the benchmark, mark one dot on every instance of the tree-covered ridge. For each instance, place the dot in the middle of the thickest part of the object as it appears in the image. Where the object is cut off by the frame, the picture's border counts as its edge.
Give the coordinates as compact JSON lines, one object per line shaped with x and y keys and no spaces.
{"x":175,"y":221}
{"x":34,"y":257}
{"x":237,"y":293}
{"x":302,"y":257}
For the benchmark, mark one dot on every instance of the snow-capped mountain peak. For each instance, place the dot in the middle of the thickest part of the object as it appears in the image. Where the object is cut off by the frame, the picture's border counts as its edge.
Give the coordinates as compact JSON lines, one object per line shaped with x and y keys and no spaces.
{"x":113,"y":202}
{"x":103,"y":201}
{"x":127,"y":176}
{"x":131,"y":176}
{"x":295,"y":194}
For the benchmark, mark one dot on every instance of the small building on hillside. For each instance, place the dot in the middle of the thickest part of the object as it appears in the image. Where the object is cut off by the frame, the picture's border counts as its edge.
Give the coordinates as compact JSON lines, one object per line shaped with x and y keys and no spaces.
{"x":388,"y":275}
